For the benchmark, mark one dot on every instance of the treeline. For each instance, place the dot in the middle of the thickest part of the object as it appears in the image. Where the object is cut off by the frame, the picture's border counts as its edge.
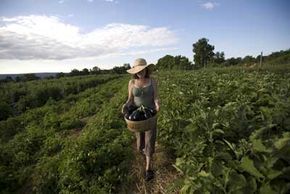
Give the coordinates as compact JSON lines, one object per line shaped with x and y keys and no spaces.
{"x":75,"y":72}
{"x":96,"y":71}
{"x":205,"y":56}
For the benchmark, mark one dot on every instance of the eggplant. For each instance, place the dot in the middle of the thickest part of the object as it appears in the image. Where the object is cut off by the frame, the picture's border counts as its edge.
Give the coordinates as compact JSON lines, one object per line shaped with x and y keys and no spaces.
{"x":147,"y":114}
{"x":141,"y":113}
{"x":127,"y":115}
{"x":132,"y":108}
{"x":152,"y":111}
{"x":135,"y":116}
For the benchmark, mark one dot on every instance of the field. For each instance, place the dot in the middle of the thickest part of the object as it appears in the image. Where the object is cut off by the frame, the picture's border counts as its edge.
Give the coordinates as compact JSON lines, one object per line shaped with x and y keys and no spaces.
{"x":224,"y":130}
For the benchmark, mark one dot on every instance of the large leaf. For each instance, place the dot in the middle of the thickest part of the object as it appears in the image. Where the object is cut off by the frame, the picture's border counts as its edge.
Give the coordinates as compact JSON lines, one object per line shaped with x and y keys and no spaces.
{"x":282,"y":142}
{"x":267,"y":189}
{"x":236,"y":181}
{"x":259,"y":146}
{"x":247,"y":164}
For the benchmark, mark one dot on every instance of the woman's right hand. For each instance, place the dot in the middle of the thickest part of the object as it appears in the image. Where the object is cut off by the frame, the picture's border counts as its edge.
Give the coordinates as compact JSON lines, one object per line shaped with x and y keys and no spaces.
{"x":125,"y":108}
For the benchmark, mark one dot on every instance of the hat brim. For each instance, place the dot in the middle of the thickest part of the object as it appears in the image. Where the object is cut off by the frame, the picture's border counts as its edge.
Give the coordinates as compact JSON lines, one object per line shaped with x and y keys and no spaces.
{"x":137,"y":69}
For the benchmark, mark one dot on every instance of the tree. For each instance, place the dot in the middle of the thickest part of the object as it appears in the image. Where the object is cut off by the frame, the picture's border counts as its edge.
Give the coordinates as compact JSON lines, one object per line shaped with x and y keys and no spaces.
{"x":127,"y":66}
{"x":85,"y":71}
{"x":96,"y":70}
{"x":30,"y":77}
{"x":249,"y":59}
{"x":166,"y":62}
{"x":59,"y":75}
{"x":74,"y":72}
{"x":233,"y":61}
{"x":177,"y":62}
{"x":203,"y":52}
{"x":219,"y":57}
{"x":122,"y":69}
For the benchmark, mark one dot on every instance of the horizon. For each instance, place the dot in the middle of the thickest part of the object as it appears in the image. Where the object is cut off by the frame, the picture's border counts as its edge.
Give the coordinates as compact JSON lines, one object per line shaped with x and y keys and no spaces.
{"x":115,"y":66}
{"x":108,"y":33}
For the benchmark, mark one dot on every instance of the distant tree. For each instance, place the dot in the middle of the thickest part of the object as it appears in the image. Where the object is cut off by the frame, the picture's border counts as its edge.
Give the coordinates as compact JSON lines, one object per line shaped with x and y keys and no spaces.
{"x":219,"y":57}
{"x":203,"y":52}
{"x":127,"y":66}
{"x":29,"y":77}
{"x":95,"y":70}
{"x":233,"y":61}
{"x":182,"y":62}
{"x":7,"y":79}
{"x":85,"y":71}
{"x":17,"y":78}
{"x":74,"y":72}
{"x":178,"y":62}
{"x":166,"y":62}
{"x":249,"y":59}
{"x":122,"y":69}
{"x":59,"y":75}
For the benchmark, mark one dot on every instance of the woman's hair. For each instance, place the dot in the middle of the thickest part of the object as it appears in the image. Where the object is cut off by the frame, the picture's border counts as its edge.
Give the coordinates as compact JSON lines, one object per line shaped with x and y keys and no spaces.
{"x":147,"y":75}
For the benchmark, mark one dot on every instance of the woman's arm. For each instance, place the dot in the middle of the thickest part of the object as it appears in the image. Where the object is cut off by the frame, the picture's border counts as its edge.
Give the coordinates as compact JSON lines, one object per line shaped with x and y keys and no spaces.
{"x":156,"y":98}
{"x":130,"y":97}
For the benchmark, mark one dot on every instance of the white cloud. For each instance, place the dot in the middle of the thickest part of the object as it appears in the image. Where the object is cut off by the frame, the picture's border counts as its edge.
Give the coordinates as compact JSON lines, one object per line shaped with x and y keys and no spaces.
{"x":43,"y":37}
{"x":209,"y":5}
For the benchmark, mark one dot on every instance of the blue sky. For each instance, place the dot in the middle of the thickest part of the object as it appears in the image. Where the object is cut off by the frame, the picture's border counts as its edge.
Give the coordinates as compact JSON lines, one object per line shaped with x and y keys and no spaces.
{"x":60,"y":35}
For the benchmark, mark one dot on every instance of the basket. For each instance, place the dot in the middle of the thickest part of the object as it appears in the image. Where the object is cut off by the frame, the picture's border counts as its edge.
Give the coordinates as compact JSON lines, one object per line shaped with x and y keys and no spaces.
{"x":140,"y":126}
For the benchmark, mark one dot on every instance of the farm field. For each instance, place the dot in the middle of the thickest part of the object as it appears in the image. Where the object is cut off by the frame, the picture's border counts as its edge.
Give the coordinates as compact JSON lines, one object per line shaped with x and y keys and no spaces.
{"x":222,"y":130}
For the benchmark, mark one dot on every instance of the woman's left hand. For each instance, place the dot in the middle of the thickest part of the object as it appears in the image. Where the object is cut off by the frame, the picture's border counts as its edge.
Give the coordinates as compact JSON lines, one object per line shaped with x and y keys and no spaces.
{"x":157,"y":107}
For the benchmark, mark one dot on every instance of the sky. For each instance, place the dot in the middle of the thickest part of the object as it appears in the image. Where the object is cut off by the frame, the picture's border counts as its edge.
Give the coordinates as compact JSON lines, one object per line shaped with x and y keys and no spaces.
{"x":61,"y":35}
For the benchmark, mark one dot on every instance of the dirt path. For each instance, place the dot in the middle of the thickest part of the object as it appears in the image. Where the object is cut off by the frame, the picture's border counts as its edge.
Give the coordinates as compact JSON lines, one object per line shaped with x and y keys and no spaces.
{"x":165,"y":173}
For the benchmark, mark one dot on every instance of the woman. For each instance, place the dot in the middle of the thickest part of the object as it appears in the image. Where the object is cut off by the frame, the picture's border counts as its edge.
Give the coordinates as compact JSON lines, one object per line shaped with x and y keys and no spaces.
{"x":143,"y":90}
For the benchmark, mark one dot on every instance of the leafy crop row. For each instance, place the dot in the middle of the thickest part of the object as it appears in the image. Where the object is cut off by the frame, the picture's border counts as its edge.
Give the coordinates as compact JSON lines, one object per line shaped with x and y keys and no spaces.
{"x":229,"y":130}
{"x":47,"y":155}
{"x":16,"y":98}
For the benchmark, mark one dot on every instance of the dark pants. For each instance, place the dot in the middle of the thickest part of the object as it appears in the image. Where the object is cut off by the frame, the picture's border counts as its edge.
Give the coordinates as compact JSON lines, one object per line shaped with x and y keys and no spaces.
{"x":146,"y":140}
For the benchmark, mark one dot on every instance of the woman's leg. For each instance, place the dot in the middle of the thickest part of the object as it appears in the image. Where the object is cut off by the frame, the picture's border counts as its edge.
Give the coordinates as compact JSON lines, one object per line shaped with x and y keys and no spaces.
{"x":150,"y":139}
{"x":140,"y":136}
{"x":149,"y":164}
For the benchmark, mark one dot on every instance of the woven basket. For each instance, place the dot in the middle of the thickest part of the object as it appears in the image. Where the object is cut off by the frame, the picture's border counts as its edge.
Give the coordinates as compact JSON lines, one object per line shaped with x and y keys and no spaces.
{"x":140,"y":126}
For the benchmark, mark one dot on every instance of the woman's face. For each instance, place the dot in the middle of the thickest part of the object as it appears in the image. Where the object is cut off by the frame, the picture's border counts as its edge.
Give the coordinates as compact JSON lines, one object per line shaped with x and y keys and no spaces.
{"x":141,"y":74}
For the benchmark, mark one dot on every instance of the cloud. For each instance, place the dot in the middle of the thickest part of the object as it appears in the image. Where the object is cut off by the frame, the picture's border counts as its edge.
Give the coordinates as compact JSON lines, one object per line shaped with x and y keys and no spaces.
{"x":209,"y":5}
{"x":32,"y":37}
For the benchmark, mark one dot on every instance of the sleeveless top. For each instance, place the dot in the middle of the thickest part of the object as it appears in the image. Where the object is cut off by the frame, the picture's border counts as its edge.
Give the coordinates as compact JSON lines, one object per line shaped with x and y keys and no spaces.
{"x":144,"y":95}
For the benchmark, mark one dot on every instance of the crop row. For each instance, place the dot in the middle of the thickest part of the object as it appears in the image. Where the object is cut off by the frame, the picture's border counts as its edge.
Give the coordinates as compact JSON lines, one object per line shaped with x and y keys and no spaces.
{"x":47,"y":155}
{"x":229,"y":130}
{"x":16,"y":98}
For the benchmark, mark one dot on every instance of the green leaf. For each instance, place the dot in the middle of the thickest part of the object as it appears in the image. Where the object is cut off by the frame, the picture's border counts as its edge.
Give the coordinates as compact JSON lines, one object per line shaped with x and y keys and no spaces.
{"x":217,"y":168}
{"x":203,"y":173}
{"x":185,"y":189}
{"x":259,"y":146}
{"x":218,"y":131}
{"x":267,"y":189}
{"x":236,"y":181}
{"x":248,"y":165}
{"x":271,"y":174}
{"x":282,"y":142}
{"x":252,"y":184}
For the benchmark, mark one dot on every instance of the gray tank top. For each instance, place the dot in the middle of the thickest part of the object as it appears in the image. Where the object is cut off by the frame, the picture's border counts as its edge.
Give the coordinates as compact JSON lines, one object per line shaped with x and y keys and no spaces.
{"x":144,"y":95}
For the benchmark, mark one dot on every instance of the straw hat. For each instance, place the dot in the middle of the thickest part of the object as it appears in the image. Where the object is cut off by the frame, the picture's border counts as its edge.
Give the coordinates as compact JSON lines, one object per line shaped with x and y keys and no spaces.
{"x":139,"y":65}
